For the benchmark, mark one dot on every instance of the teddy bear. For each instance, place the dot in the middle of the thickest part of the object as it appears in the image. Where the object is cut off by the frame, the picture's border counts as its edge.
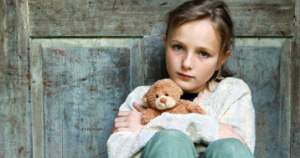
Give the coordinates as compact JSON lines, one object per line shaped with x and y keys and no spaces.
{"x":164,"y":96}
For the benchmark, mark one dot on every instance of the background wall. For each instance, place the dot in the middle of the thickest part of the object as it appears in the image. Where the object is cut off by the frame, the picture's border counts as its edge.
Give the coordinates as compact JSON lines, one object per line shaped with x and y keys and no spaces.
{"x":66,"y":66}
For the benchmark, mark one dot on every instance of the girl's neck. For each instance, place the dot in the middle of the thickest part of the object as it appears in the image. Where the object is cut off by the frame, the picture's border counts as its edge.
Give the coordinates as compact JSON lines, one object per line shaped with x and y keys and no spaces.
{"x":189,"y":96}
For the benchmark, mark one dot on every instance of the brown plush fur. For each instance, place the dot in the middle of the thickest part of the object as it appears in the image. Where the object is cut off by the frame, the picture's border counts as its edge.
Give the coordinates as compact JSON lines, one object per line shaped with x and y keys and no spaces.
{"x":164,"y":96}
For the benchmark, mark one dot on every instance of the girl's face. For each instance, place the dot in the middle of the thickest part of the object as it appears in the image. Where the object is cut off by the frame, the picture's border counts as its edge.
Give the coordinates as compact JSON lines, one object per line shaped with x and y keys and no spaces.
{"x":193,"y":54}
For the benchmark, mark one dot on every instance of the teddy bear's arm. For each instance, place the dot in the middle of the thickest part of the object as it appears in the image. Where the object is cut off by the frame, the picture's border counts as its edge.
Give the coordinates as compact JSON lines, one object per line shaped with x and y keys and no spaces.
{"x":194,"y":108}
{"x":149,"y":114}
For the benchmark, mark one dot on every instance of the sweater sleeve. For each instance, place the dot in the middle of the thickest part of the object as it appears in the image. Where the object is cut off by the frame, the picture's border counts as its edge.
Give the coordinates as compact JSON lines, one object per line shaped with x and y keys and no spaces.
{"x":135,"y":96}
{"x":238,"y":110}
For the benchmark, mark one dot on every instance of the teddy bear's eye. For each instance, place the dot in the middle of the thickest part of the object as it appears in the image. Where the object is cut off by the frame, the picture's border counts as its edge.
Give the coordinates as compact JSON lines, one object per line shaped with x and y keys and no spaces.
{"x":167,"y":94}
{"x":157,"y":95}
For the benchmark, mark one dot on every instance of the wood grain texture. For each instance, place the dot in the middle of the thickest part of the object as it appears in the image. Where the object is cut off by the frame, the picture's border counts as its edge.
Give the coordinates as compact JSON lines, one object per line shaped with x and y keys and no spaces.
{"x":59,"y":110}
{"x":139,"y":18}
{"x":154,"y":59}
{"x":82,"y":84}
{"x":263,"y":19}
{"x":264,"y":64}
{"x":285,"y":98}
{"x":295,"y":110}
{"x":15,"y":111}
{"x":37,"y":99}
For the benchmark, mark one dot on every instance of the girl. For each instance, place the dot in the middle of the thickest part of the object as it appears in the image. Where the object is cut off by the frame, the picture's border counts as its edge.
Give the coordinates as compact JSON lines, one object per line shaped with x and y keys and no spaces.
{"x":197,"y":40}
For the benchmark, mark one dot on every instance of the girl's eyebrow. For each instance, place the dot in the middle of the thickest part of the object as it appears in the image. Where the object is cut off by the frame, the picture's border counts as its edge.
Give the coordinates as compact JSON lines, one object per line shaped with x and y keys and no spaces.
{"x":209,"y":50}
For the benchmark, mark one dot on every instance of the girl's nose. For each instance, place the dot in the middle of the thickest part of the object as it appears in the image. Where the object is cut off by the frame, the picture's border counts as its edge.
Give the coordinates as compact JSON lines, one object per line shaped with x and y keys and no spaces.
{"x":187,"y":62}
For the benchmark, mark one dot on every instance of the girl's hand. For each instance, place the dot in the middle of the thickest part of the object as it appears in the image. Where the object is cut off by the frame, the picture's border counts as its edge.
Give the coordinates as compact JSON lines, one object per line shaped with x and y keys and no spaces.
{"x":228,"y":131}
{"x":129,"y":120}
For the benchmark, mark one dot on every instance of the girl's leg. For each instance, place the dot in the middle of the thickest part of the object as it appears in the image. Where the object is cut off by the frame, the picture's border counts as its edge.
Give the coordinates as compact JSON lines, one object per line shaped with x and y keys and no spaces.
{"x":169,"y":143}
{"x":227,"y":148}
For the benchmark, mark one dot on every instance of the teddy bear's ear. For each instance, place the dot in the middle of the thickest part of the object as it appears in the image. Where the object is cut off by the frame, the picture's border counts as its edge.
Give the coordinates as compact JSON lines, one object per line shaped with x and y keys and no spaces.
{"x":144,"y":99}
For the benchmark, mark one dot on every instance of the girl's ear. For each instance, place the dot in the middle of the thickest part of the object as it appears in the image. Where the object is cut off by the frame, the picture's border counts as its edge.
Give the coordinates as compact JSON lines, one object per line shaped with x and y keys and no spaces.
{"x":223,"y":58}
{"x":144,"y":99}
{"x":165,"y":39}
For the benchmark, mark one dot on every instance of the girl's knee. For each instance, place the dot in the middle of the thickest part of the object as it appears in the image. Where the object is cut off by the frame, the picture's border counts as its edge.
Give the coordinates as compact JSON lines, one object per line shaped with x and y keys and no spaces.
{"x":169,"y":143}
{"x":172,"y":136}
{"x":170,"y":133}
{"x":229,"y":147}
{"x":228,"y":144}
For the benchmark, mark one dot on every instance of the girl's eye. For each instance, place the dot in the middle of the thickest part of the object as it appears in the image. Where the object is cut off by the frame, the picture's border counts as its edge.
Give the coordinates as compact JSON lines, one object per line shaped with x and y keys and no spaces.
{"x":157,"y":95}
{"x":177,"y":47}
{"x":167,"y":94}
{"x":203,"y":54}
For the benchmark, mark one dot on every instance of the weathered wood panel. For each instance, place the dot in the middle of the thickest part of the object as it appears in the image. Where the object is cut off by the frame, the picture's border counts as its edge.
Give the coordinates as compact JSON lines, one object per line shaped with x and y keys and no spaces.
{"x":82,"y":88}
{"x":264,"y":64}
{"x":154,"y":59}
{"x":139,"y":18}
{"x":79,"y":85}
{"x":275,"y":138}
{"x":295,"y":110}
{"x":15,"y":111}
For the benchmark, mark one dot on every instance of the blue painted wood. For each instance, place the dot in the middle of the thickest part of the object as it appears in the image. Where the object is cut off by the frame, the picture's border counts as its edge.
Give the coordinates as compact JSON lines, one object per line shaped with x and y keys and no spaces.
{"x":83,"y":88}
{"x":15,"y":110}
{"x":295,"y":109}
{"x":70,"y":110}
{"x":83,"y":82}
{"x":259,"y":62}
{"x":155,"y":60}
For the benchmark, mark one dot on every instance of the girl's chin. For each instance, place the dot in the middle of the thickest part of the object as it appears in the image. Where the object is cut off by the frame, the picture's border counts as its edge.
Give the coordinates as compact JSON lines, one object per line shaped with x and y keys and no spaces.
{"x":188,"y":88}
{"x":184,"y":86}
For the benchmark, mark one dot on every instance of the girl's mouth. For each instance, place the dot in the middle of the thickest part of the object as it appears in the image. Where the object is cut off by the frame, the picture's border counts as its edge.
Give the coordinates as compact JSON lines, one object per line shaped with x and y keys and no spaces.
{"x":185,"y":76}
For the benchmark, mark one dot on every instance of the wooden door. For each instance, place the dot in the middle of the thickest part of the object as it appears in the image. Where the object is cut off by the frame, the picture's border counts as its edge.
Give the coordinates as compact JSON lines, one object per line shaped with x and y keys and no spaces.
{"x":66,"y":66}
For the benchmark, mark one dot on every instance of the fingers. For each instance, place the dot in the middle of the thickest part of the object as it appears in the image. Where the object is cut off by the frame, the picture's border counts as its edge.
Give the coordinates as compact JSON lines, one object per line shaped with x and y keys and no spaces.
{"x":229,"y":131}
{"x":120,"y":129}
{"x":129,"y":120}
{"x":120,"y":119}
{"x":120,"y":122}
{"x":238,"y":136}
{"x":121,"y":125}
{"x":244,"y":142}
{"x":123,"y":113}
{"x":138,"y":107}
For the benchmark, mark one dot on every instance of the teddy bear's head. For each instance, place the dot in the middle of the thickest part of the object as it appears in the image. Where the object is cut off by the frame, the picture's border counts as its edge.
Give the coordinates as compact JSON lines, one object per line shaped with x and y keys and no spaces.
{"x":163,"y":94}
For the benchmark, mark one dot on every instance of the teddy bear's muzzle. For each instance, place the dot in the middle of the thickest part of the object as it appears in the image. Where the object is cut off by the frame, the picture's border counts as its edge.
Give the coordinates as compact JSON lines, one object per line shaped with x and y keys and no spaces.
{"x":163,"y":103}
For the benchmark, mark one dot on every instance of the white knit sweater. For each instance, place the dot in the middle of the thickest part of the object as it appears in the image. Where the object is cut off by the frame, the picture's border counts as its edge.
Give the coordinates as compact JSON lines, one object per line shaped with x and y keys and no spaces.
{"x":228,"y":101}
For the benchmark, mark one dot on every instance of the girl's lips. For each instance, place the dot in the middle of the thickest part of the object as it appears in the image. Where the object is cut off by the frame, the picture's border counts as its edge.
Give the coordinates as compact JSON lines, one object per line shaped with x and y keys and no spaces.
{"x":185,"y":75}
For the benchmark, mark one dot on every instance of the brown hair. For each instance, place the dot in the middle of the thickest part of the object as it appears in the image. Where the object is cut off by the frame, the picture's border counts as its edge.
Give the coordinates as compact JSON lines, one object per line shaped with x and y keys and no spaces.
{"x":217,"y":11}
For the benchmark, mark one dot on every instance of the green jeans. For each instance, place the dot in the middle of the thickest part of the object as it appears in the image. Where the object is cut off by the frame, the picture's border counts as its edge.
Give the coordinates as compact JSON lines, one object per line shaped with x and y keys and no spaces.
{"x":175,"y":144}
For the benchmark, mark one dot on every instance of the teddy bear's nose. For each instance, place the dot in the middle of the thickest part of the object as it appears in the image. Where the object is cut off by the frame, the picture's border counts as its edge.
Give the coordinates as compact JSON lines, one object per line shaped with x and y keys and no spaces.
{"x":163,"y":100}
